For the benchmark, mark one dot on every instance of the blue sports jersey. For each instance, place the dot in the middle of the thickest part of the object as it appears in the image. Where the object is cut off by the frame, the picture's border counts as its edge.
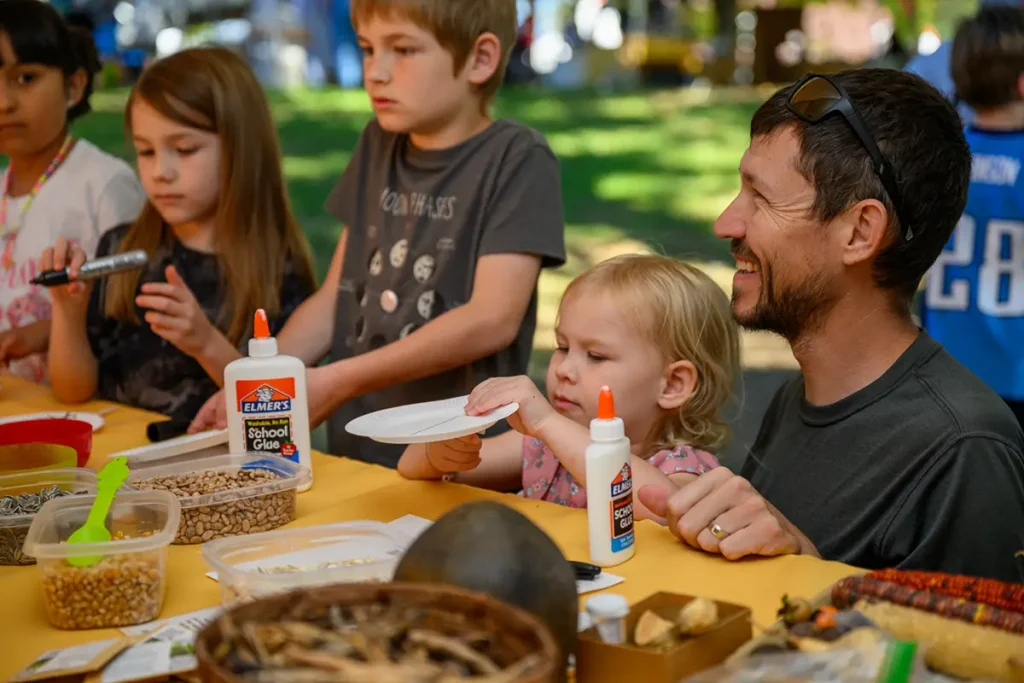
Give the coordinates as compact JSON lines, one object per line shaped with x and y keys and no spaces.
{"x":974,"y":296}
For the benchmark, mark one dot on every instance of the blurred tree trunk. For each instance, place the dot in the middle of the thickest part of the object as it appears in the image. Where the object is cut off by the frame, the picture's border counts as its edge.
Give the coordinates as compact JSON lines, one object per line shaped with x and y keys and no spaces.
{"x":725,"y":18}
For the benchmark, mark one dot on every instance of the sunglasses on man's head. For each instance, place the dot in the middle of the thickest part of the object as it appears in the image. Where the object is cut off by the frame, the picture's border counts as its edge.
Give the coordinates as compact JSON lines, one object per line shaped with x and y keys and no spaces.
{"x":817,"y":97}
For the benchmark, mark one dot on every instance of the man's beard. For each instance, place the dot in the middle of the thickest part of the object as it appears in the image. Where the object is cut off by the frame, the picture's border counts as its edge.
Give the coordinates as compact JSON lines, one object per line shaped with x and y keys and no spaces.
{"x":788,"y":311}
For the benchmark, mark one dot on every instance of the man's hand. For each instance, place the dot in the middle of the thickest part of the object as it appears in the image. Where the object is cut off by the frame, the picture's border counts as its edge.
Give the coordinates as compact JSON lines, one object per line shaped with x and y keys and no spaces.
{"x":174,"y":314}
{"x":720,"y":501}
{"x":491,"y":394}
{"x":213,"y":414}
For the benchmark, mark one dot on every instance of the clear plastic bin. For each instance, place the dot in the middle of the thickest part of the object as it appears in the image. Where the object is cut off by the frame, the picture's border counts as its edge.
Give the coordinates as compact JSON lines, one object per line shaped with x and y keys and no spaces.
{"x":348,"y":552}
{"x":259,"y":506}
{"x":14,"y":528}
{"x":128,"y":584}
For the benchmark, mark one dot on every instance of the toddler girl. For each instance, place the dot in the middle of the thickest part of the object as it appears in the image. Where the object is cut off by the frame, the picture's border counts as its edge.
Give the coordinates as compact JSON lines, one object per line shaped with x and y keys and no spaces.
{"x":55,"y":184}
{"x":660,"y":334}
{"x":220,"y":235}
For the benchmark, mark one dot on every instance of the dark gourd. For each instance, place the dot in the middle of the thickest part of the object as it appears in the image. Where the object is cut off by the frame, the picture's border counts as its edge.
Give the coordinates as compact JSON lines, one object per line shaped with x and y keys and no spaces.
{"x":489,"y":547}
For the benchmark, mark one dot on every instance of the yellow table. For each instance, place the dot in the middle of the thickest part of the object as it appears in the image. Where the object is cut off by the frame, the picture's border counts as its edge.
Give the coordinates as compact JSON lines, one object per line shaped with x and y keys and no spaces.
{"x":346,"y":490}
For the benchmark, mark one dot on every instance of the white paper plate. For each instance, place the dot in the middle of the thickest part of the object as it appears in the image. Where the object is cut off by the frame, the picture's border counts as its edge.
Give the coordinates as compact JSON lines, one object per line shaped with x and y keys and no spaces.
{"x":95,"y":420}
{"x":426,"y":422}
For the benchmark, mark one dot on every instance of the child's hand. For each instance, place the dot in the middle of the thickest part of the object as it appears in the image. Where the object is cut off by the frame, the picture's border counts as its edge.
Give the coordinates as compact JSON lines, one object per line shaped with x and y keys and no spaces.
{"x":175,"y":314}
{"x":23,"y":341}
{"x":63,"y":255}
{"x":454,"y":455}
{"x":533,"y":411}
{"x":213,"y":414}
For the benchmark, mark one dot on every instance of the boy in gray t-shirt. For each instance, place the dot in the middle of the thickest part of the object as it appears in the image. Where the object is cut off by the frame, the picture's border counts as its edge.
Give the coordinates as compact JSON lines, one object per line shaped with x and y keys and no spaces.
{"x":448,"y":218}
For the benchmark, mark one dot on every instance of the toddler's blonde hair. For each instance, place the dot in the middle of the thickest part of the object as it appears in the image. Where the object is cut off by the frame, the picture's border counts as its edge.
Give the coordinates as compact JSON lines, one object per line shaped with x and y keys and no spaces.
{"x":680,"y":310}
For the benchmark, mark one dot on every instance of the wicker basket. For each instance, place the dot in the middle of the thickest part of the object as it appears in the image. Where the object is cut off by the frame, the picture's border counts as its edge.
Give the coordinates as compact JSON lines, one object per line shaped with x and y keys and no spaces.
{"x":518,"y":632}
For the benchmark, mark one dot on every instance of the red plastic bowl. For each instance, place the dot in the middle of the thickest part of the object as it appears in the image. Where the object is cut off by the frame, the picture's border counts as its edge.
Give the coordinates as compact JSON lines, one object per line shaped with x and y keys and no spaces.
{"x":74,"y":433}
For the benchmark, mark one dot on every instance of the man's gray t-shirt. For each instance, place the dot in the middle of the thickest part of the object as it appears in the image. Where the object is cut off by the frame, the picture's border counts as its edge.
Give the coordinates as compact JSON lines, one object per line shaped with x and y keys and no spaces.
{"x":922,"y":469}
{"x":417,"y":222}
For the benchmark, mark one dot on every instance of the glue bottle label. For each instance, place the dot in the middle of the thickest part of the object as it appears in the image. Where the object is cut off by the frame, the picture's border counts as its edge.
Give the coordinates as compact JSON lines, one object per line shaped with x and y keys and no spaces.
{"x":266,"y":410}
{"x":622,"y":509}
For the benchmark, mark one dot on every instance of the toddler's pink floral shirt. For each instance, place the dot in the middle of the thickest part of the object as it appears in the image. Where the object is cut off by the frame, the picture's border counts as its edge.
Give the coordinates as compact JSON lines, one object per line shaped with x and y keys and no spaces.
{"x":544,"y":477}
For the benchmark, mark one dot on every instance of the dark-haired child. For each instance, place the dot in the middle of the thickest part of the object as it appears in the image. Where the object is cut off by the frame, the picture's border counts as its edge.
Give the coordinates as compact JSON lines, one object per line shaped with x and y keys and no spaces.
{"x":974,"y":299}
{"x":55,"y":184}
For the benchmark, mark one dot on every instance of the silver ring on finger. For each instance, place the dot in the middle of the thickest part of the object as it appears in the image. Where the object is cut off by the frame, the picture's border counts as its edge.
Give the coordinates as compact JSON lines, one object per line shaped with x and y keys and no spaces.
{"x":717,"y":531}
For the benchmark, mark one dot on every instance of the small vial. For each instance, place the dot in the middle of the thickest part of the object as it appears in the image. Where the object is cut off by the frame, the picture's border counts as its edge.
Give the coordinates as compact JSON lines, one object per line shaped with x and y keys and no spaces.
{"x":609,"y":613}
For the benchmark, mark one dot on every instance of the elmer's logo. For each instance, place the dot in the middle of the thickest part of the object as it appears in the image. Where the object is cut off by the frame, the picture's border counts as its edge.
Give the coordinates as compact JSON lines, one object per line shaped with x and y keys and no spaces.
{"x":265,"y":396}
{"x":623,"y":482}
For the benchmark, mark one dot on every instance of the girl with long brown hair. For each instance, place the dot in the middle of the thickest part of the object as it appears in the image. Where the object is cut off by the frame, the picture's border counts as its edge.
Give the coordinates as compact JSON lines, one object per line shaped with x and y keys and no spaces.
{"x":221,"y":238}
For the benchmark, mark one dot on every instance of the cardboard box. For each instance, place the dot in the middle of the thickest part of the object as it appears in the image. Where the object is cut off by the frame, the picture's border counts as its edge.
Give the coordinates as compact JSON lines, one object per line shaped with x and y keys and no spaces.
{"x":600,"y":662}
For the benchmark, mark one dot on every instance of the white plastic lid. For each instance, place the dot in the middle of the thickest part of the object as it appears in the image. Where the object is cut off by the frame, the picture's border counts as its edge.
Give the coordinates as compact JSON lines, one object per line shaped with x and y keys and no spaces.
{"x":262,"y":348}
{"x":609,"y":606}
{"x":262,"y":345}
{"x":607,"y":430}
{"x":606,"y":426}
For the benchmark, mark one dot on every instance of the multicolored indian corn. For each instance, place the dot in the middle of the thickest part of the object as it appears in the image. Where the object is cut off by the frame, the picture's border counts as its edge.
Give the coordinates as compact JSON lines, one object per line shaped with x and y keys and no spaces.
{"x":847,"y":592}
{"x":990,"y":592}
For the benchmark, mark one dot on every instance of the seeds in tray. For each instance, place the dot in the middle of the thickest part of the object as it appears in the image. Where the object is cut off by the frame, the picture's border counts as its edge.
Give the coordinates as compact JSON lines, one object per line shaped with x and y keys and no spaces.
{"x":119,"y":590}
{"x":375,"y":643}
{"x":12,"y":538}
{"x":246,"y":516}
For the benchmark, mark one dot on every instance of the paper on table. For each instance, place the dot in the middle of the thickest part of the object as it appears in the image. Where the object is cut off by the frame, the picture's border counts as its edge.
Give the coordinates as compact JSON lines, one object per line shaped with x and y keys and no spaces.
{"x":190,"y":623}
{"x":409,"y":526}
{"x":70,"y":658}
{"x":603,"y":580}
{"x":413,"y":526}
{"x":140,"y":662}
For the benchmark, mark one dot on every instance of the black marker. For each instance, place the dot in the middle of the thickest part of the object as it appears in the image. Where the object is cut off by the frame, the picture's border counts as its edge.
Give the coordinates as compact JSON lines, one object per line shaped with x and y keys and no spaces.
{"x":108,"y":265}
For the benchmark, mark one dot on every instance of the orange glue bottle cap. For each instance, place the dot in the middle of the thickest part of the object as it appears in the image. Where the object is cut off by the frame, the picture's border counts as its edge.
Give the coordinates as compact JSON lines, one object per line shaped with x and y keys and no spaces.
{"x":262,"y":345}
{"x":606,"y":427}
{"x":261,"y":328}
{"x":605,"y":404}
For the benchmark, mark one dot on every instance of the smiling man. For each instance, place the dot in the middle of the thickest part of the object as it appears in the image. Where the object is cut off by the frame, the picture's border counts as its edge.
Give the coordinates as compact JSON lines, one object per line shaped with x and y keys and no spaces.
{"x":884,"y":451}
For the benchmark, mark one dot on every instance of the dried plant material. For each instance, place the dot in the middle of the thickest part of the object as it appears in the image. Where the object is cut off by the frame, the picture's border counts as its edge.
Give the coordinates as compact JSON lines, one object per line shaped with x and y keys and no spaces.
{"x":650,"y":629}
{"x":452,"y":647}
{"x":795,"y":610}
{"x":372,"y":643}
{"x":698,"y":616}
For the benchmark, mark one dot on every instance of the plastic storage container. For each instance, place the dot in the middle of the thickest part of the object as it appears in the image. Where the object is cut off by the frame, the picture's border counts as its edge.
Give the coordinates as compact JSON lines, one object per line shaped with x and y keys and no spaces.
{"x":14,"y":527}
{"x":252,"y":567}
{"x":127,"y":586}
{"x":264,"y":497}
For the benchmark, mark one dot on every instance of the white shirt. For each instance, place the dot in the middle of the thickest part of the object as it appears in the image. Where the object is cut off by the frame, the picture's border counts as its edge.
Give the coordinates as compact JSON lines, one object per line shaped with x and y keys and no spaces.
{"x":89,"y":193}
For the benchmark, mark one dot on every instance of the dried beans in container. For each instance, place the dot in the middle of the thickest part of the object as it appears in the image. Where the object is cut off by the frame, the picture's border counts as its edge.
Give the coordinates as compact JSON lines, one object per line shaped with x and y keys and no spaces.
{"x":227,"y":495}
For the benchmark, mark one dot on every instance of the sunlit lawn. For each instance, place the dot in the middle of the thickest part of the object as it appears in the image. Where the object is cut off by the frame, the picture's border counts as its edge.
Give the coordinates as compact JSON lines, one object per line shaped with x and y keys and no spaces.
{"x":642,"y":169}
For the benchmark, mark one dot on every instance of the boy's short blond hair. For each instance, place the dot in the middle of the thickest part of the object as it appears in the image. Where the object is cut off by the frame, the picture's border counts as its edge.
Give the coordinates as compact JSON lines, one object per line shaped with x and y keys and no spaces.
{"x":457,"y":24}
{"x":686,"y":316}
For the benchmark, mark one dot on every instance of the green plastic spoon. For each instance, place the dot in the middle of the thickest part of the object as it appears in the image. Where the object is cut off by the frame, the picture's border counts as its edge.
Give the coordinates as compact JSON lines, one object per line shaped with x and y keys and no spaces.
{"x":110,"y":479}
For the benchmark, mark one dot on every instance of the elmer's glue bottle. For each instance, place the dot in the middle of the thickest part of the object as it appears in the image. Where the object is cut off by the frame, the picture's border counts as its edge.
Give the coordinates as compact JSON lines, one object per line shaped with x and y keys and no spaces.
{"x":609,"y":487}
{"x":266,"y":397}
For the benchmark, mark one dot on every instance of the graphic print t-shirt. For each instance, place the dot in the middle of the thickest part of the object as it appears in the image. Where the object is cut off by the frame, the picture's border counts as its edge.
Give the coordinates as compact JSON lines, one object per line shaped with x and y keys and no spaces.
{"x":417,"y":221}
{"x":974,"y":299}
{"x":88,"y":194}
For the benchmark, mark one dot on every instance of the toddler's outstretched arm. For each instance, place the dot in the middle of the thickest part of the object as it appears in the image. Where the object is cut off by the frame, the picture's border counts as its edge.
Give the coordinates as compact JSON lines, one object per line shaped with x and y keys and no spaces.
{"x":494,"y":463}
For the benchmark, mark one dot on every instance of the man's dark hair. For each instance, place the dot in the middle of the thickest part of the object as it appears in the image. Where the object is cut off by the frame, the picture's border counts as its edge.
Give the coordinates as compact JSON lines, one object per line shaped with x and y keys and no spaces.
{"x":988,"y":57}
{"x":919,"y":133}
